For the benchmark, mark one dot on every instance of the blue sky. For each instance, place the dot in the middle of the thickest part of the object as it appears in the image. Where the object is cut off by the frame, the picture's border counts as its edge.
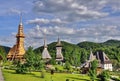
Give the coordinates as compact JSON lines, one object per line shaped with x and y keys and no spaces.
{"x":73,"y":20}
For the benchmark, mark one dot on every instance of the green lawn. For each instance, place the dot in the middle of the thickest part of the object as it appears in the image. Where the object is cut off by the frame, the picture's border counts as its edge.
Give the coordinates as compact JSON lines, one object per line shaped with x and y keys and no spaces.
{"x":10,"y":75}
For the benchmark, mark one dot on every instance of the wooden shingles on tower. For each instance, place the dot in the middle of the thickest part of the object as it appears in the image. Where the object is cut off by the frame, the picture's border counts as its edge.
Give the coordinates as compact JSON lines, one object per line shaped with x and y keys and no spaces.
{"x":17,"y":51}
{"x":59,"y":56}
{"x":45,"y":54}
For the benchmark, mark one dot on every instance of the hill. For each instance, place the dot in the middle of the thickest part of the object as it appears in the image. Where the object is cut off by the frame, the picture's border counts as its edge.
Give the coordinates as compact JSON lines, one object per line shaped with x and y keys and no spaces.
{"x":69,"y":51}
{"x":4,"y":49}
{"x":89,"y":45}
{"x":79,"y":53}
{"x":92,"y":45}
{"x":112,"y":43}
{"x":67,"y":47}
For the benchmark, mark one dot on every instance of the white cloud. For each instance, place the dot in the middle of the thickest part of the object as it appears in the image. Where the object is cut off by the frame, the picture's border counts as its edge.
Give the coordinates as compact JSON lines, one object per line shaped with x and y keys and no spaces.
{"x":73,"y":20}
{"x":45,"y":21}
{"x":71,"y":10}
{"x":95,"y":34}
{"x":9,"y":41}
{"x":16,"y":11}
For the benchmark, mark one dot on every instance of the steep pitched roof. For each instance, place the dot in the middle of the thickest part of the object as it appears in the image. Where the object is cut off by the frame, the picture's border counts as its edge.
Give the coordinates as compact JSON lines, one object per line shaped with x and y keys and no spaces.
{"x":58,"y":42}
{"x":45,"y":53}
{"x":12,"y":51}
{"x":91,"y":57}
{"x":102,"y":57}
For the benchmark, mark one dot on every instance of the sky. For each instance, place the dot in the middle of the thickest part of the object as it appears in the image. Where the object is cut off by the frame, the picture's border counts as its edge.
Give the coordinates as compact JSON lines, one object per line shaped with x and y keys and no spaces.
{"x":73,"y":21}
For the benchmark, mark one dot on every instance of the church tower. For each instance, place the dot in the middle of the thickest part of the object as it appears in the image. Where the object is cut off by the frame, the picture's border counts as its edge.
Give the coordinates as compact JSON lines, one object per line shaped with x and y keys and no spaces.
{"x":18,"y":50}
{"x":45,"y":54}
{"x":59,"y":56}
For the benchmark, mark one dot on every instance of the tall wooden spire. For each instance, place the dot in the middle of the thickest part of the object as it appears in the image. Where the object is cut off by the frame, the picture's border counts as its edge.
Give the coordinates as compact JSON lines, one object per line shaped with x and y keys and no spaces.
{"x":58,"y":42}
{"x":45,"y":54}
{"x":18,"y":50}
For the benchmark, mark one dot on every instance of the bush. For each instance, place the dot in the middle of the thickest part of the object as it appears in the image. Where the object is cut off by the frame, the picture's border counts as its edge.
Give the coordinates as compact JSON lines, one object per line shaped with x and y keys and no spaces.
{"x":115,"y":79}
{"x":21,"y":68}
{"x":42,"y":74}
{"x":104,"y":76}
{"x":67,"y":66}
{"x":67,"y":79}
{"x":59,"y":69}
{"x":52,"y":72}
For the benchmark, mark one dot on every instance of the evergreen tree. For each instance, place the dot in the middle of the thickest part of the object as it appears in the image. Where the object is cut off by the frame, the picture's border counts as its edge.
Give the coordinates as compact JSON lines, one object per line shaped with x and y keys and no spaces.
{"x":104,"y":76}
{"x":83,"y":56}
{"x":92,"y":71}
{"x":2,"y":55}
{"x":67,"y":65}
{"x":33,"y":61}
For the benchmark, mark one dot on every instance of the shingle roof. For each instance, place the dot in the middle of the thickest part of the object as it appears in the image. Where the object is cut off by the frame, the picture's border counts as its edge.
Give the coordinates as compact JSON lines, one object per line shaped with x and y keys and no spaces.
{"x":45,"y":53}
{"x":58,"y":42}
{"x":102,"y":57}
{"x":59,"y":56}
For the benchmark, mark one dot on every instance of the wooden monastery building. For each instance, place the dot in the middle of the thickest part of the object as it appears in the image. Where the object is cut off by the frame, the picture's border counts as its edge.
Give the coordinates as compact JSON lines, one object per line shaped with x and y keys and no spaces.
{"x":104,"y":62}
{"x":17,"y":51}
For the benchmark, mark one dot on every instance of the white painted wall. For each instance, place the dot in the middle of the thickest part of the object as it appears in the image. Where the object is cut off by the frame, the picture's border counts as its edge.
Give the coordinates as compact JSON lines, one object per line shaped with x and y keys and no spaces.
{"x":108,"y":67}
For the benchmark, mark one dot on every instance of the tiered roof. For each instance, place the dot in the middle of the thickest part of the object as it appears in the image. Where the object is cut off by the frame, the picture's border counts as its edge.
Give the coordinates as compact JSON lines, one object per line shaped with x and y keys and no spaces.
{"x":18,"y":50}
{"x":59,"y":56}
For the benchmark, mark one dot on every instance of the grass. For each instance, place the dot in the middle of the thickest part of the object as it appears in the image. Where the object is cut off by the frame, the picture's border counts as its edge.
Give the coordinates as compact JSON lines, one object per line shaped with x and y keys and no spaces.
{"x":10,"y":75}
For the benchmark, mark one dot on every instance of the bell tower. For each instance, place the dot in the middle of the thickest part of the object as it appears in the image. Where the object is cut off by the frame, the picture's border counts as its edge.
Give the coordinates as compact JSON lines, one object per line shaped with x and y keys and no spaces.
{"x":59,"y":56}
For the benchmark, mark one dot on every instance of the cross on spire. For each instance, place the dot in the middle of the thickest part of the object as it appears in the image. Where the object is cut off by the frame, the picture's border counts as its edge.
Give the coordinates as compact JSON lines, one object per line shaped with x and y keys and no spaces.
{"x":58,"y":42}
{"x":21,"y":18}
{"x":45,"y":45}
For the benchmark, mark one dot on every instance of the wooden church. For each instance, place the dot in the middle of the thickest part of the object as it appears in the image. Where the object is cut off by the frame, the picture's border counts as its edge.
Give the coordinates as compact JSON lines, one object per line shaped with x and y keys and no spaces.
{"x":17,"y":51}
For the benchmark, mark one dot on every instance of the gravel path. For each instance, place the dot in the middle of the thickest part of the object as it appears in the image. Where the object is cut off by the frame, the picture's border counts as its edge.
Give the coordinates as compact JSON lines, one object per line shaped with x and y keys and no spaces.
{"x":1,"y":76}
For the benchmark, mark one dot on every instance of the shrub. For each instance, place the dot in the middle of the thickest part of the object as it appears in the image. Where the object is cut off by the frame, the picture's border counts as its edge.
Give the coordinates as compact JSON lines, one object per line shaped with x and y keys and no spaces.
{"x":104,"y":76}
{"x":20,"y":68}
{"x":52,"y":72}
{"x":67,"y":79}
{"x":42,"y":74}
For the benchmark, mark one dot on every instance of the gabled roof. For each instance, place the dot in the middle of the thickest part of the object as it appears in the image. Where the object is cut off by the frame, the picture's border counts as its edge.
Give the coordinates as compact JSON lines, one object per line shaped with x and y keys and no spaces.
{"x":102,"y":57}
{"x":91,"y":57}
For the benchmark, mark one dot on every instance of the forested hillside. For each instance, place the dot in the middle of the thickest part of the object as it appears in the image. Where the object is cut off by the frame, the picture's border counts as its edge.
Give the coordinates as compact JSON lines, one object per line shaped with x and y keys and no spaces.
{"x":70,"y":52}
{"x":3,"y":52}
{"x":79,"y":53}
{"x":115,"y":43}
{"x":4,"y":49}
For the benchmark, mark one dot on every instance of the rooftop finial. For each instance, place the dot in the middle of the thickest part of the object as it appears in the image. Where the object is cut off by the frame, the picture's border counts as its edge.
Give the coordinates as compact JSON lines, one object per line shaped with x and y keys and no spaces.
{"x":21,"y":18}
{"x":58,"y":38}
{"x":45,"y":45}
{"x":58,"y":42}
